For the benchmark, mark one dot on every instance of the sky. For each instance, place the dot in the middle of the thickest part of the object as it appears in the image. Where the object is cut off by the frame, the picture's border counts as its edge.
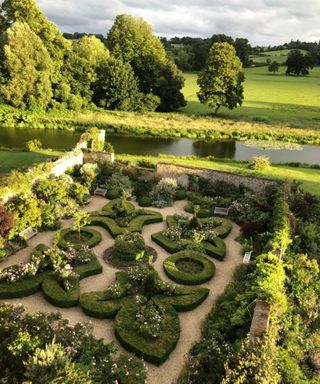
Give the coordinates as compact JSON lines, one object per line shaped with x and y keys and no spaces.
{"x":263,"y":22}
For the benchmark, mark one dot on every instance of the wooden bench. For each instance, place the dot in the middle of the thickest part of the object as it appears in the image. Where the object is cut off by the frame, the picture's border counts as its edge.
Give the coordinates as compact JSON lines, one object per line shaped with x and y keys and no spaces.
{"x":247,"y":257}
{"x":100,"y":192}
{"x":221,"y":211}
{"x":28,"y":233}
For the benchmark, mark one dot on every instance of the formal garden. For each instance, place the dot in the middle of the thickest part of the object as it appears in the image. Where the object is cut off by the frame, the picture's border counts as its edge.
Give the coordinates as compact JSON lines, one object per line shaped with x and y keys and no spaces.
{"x":155,"y":269}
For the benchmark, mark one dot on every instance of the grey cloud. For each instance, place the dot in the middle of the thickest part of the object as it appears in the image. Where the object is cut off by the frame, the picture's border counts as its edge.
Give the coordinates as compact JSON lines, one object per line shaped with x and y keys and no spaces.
{"x":261,"y":21}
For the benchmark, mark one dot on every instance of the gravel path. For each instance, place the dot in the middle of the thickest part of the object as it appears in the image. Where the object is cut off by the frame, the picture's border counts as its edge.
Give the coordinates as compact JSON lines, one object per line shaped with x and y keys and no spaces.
{"x":190,"y":321}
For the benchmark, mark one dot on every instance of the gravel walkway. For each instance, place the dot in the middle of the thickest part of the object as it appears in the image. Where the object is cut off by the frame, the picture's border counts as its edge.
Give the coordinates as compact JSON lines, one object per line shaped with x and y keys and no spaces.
{"x":190,"y":321}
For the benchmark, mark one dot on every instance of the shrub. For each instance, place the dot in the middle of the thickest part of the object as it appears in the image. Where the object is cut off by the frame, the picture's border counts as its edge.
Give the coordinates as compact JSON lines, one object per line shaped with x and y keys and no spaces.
{"x":164,"y":192}
{"x":259,"y":163}
{"x":145,"y":201}
{"x":120,"y":183}
{"x":144,"y":163}
{"x":33,"y":145}
{"x":108,"y":147}
{"x":6,"y":222}
{"x":113,"y":194}
{"x":180,"y":194}
{"x":127,"y":246}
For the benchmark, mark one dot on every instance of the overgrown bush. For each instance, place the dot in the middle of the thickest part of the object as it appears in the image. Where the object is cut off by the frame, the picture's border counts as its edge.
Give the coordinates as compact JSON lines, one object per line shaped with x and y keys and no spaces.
{"x":33,"y":145}
{"x":260,"y":163}
{"x":164,"y":192}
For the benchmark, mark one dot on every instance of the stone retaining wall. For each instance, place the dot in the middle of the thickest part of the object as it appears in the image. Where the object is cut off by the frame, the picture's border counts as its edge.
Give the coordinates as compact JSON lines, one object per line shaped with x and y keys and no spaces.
{"x":182,"y":173}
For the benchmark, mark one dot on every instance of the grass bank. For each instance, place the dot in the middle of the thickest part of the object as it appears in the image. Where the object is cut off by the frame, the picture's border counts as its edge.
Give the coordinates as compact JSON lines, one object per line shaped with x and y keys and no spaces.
{"x":308,"y":177}
{"x":10,"y":160}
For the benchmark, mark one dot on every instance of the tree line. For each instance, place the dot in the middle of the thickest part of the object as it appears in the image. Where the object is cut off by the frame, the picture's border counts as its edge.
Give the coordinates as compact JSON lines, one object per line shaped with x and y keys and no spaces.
{"x":42,"y":69}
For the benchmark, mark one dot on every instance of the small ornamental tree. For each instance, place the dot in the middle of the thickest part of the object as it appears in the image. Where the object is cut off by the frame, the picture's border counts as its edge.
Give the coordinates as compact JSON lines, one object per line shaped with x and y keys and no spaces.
{"x":273,"y":67}
{"x":221,"y":81}
{"x":6,"y":222}
{"x":81,"y":219}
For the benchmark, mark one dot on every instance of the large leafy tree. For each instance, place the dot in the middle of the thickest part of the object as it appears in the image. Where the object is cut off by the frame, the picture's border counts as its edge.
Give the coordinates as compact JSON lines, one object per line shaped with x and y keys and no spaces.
{"x":132,"y":40}
{"x":117,"y":87}
{"x":298,"y":63}
{"x":28,"y":67}
{"x":60,"y":50}
{"x":243,"y":49}
{"x":221,"y":81}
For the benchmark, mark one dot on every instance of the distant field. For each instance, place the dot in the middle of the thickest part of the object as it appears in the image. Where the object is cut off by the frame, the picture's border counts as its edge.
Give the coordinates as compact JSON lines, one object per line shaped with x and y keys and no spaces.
{"x":279,"y":56}
{"x":270,"y":98}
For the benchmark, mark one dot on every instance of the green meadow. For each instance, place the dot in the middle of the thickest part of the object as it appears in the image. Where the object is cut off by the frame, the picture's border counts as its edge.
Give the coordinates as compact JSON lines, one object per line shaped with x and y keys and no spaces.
{"x":270,"y":98}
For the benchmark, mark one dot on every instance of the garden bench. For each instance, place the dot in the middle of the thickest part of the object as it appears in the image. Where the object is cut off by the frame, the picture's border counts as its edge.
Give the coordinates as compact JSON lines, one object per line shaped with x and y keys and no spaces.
{"x":28,"y":233}
{"x":247,"y":257}
{"x":100,"y":192}
{"x":221,"y":211}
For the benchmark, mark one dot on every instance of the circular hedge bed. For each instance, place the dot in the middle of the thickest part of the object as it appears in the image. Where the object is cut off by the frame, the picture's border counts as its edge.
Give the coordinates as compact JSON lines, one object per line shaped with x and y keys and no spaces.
{"x":189,"y":268}
{"x":88,"y":236}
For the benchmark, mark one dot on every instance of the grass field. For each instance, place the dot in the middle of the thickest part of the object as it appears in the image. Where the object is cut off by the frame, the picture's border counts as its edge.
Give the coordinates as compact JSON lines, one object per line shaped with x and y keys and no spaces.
{"x":10,"y":160}
{"x":309,"y":178}
{"x":278,"y":56}
{"x":271,"y":98}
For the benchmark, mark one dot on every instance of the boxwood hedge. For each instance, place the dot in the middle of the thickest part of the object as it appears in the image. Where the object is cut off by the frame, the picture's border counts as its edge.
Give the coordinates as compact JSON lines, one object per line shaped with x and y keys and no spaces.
{"x":183,"y":277}
{"x":94,"y":240}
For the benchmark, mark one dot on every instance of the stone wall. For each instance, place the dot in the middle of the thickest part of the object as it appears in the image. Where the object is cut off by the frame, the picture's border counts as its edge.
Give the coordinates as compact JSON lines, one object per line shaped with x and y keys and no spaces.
{"x":93,"y":157}
{"x":71,"y":159}
{"x":182,"y":173}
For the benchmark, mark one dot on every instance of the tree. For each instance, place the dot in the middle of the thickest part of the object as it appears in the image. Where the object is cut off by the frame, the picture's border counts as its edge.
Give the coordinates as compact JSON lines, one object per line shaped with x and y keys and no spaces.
{"x":243,"y":49}
{"x":6,"y":222}
{"x":68,"y":70}
{"x":132,"y":40}
{"x":28,"y":67}
{"x":81,"y":219}
{"x":117,"y":87}
{"x":221,"y":81}
{"x":221,"y":38}
{"x":273,"y":67}
{"x":298,"y":63}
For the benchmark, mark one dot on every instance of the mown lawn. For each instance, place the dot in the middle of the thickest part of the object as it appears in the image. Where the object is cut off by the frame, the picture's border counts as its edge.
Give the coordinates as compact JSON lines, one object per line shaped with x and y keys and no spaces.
{"x":10,"y":160}
{"x":269,"y":97}
{"x":309,"y":178}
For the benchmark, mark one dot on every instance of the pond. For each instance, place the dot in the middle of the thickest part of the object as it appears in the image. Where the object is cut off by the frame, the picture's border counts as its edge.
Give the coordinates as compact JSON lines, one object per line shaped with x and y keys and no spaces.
{"x":17,"y":137}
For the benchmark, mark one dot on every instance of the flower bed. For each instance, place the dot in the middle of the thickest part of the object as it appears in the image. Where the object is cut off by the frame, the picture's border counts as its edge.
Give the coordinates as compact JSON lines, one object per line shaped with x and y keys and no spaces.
{"x":144,"y":308}
{"x":119,"y":216}
{"x":88,"y":236}
{"x":189,"y":267}
{"x":54,"y":271}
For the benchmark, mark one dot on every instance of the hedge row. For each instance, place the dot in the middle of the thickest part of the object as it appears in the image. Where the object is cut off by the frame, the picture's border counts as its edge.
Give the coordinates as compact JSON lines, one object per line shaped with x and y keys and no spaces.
{"x":181,"y":277}
{"x":135,"y":225}
{"x":215,"y":248}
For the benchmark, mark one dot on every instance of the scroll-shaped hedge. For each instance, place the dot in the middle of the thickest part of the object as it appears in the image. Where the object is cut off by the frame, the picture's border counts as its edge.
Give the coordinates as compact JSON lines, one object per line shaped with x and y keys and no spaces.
{"x":123,"y":301}
{"x":132,"y":220}
{"x":214,"y":247}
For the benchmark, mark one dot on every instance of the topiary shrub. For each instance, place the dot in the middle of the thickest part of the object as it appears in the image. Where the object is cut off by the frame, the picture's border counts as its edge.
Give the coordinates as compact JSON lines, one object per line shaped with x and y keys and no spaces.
{"x":189,"y":267}
{"x":127,"y":246}
{"x":259,"y":163}
{"x":145,"y":201}
{"x":88,"y":236}
{"x":180,"y":194}
{"x":113,"y":194}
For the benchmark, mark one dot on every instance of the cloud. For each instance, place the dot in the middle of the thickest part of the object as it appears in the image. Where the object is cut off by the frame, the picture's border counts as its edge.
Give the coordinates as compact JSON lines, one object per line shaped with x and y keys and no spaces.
{"x":263,"y":22}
